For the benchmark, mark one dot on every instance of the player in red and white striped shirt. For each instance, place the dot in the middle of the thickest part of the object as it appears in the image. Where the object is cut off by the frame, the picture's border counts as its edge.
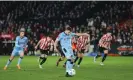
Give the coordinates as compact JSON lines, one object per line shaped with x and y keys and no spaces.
{"x":104,"y":46}
{"x":74,"y":44}
{"x":82,"y":47}
{"x":45,"y":44}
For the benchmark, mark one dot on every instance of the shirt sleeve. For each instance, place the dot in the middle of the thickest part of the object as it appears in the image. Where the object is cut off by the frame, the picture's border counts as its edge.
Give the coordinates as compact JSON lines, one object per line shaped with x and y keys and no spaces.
{"x":73,"y":34}
{"x":26,"y":42}
{"x":52,"y":42}
{"x":16,"y":42}
{"x":59,"y":37}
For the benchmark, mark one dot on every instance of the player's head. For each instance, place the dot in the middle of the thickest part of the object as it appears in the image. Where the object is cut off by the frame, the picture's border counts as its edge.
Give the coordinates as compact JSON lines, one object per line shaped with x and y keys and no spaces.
{"x":109,"y":32}
{"x":87,"y":31}
{"x":68,"y":29}
{"x":49,"y":35}
{"x":22,"y":32}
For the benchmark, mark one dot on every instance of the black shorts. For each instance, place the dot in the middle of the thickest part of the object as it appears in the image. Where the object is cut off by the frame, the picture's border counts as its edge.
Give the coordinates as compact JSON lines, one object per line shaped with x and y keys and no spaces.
{"x":82,"y":51}
{"x":101,"y":49}
{"x":44,"y":51}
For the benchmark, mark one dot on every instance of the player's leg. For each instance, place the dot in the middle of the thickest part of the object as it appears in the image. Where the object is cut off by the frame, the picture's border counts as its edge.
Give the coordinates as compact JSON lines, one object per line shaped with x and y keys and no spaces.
{"x":104,"y":57}
{"x":75,"y":60}
{"x":9,"y":62}
{"x":61,"y":58}
{"x":43,"y":57}
{"x":98,"y":53}
{"x":72,"y":59}
{"x":21,"y":54}
{"x":77,"y":57}
{"x":58,"y":61}
{"x":69,"y":61}
{"x":64,"y":65}
{"x":80,"y":58}
{"x":97,"y":56}
{"x":68,"y":67}
{"x":14,"y":52}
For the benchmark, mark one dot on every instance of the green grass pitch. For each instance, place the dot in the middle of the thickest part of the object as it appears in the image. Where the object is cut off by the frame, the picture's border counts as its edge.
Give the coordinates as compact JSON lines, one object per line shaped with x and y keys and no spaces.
{"x":115,"y":68}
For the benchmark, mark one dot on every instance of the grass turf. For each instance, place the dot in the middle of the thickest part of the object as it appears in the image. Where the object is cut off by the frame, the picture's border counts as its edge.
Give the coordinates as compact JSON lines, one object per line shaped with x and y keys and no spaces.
{"x":115,"y":68}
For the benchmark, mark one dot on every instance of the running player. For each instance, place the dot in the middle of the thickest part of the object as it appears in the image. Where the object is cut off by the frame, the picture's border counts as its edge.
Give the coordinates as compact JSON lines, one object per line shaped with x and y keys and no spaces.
{"x":45,"y":44}
{"x":82,"y":46}
{"x":66,"y":45}
{"x":104,"y":46}
{"x":20,"y":47}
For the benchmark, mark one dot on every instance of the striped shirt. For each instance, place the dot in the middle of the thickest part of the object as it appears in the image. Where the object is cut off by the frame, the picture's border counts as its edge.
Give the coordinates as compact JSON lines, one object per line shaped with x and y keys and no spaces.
{"x":105,"y":41}
{"x":46,"y":43}
{"x":82,"y":42}
{"x":74,"y":40}
{"x":74,"y":43}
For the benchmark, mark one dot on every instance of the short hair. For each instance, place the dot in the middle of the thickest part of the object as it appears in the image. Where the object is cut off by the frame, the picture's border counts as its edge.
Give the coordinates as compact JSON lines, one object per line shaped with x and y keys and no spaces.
{"x":109,"y":31}
{"x":67,"y":27}
{"x":49,"y":34}
{"x":22,"y":30}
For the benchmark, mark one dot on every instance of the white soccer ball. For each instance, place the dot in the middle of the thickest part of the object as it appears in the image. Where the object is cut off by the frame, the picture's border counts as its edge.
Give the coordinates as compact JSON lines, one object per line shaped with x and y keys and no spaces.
{"x":72,"y":72}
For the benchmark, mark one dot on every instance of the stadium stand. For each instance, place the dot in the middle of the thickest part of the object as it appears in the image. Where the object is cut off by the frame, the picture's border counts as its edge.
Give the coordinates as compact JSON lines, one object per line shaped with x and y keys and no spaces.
{"x":42,"y":17}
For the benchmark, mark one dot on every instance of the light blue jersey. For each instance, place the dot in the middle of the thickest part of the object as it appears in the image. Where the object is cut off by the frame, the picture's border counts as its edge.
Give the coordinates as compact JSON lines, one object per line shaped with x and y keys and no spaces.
{"x":66,"y":43}
{"x":65,"y":40}
{"x":20,"y":44}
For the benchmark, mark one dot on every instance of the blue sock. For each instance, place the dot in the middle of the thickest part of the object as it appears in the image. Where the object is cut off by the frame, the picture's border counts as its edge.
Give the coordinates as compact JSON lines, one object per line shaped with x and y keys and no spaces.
{"x":19,"y":60}
{"x":8,"y":63}
{"x":71,"y":65}
{"x":68,"y":65}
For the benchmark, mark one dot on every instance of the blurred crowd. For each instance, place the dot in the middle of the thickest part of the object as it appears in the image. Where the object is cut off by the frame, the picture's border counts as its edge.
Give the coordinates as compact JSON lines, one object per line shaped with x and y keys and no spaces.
{"x":42,"y":17}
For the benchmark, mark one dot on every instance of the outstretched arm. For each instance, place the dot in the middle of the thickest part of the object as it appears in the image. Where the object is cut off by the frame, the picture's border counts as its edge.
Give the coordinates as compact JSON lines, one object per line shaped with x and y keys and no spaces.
{"x":37,"y":44}
{"x":81,"y":34}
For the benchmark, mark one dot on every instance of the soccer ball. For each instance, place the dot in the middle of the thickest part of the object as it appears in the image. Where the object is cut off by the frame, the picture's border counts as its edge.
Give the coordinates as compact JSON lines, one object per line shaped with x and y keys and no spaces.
{"x":72,"y":72}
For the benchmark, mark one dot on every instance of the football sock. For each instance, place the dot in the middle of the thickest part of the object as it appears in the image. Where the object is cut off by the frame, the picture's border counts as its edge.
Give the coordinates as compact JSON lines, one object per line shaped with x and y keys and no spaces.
{"x":8,"y":62}
{"x":40,"y":59}
{"x":71,"y":64}
{"x":104,"y":57}
{"x":65,"y":63}
{"x":59,"y":60}
{"x":43,"y":61}
{"x":68,"y":65}
{"x":80,"y":60}
{"x":75,"y":59}
{"x":19,"y":60}
{"x":97,"y":56}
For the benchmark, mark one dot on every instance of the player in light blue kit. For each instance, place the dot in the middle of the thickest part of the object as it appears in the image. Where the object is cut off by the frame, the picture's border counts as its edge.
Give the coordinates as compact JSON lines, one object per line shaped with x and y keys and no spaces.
{"x":19,"y":48}
{"x":66,"y":44}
